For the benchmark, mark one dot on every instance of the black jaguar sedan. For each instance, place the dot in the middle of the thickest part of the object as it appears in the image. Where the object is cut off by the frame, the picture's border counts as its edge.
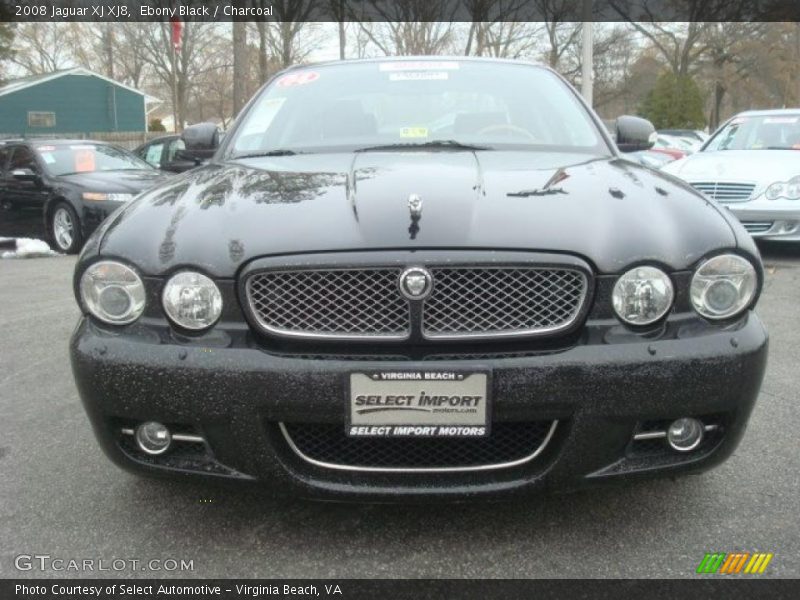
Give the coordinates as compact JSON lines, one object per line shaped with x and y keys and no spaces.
{"x":75,"y":183}
{"x":419,"y":278}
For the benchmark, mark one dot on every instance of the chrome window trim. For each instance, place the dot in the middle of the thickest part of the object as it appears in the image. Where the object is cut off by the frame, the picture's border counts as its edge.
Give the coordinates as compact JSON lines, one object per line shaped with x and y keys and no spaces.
{"x":360,"y":469}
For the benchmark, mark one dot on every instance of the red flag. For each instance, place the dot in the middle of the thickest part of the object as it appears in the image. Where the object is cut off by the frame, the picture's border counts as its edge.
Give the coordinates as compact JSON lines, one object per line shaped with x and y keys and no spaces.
{"x":177,"y":28}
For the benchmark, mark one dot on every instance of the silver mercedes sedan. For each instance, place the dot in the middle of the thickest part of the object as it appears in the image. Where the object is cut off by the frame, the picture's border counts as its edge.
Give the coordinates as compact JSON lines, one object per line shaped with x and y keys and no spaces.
{"x":751,"y":165}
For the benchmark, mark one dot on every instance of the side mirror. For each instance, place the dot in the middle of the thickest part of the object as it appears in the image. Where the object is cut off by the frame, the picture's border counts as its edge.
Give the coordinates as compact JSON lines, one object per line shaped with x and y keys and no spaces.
{"x":634,"y":134}
{"x":201,"y":140}
{"x":25,"y":175}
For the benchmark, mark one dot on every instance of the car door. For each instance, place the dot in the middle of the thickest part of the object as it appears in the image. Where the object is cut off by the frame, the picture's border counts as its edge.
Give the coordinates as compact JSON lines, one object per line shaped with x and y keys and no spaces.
{"x":24,"y":192}
{"x":4,"y":152}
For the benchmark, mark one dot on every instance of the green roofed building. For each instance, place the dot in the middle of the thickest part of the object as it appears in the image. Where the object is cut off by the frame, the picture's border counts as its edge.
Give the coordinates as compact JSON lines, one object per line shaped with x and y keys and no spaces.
{"x":72,"y":101}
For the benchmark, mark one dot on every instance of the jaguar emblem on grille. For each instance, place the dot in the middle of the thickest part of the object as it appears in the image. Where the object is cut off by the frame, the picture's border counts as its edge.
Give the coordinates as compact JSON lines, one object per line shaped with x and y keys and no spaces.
{"x":416,"y":283}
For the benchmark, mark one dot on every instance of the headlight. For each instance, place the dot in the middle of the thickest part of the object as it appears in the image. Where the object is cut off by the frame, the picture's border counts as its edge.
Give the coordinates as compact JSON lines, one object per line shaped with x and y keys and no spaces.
{"x":112,"y":292}
{"x":98,"y":197}
{"x":642,"y":295}
{"x":784,"y":189}
{"x":192,"y":300}
{"x":723,"y":286}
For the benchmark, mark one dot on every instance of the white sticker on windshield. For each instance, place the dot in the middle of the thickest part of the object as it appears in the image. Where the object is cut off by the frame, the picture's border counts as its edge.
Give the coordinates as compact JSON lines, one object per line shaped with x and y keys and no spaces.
{"x":419,"y":76}
{"x":420,"y":65}
{"x":780,"y":120}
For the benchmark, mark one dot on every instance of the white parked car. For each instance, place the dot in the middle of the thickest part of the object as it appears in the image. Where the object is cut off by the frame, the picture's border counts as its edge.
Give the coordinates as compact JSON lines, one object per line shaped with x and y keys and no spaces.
{"x":752,"y":166}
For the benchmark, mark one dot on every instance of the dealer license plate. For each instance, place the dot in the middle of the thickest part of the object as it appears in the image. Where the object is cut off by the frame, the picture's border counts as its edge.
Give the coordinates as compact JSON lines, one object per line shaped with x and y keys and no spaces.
{"x":418,"y":404}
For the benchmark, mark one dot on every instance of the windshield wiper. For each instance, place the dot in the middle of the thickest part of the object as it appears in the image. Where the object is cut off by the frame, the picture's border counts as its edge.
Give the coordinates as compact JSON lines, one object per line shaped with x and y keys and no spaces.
{"x":278,"y":152}
{"x":432,"y":145}
{"x":782,"y":148}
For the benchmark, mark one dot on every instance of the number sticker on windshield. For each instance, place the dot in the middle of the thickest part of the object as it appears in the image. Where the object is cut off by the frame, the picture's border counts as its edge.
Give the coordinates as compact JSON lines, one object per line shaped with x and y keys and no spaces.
{"x":419,"y":76}
{"x":414,"y":132}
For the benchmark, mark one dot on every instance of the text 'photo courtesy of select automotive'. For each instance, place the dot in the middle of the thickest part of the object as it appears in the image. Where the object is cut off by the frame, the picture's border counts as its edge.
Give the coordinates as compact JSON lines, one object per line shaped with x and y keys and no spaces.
{"x":360,"y":298}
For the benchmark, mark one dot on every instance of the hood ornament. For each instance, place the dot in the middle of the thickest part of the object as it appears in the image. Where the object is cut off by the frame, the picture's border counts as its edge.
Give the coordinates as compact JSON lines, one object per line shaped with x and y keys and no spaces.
{"x":415,"y":206}
{"x":416,"y":283}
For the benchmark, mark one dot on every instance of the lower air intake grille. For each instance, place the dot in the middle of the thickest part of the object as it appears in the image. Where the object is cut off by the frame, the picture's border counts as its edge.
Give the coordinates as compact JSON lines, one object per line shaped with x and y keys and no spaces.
{"x":757,"y":226}
{"x":509,"y":444}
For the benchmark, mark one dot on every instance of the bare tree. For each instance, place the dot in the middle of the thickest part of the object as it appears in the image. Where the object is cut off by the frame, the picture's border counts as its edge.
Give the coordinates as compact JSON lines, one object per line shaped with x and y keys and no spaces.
{"x":498,"y":28}
{"x":290,"y":38}
{"x":338,"y":10}
{"x":42,"y":47}
{"x":216,"y":81}
{"x":409,"y":27}
{"x":186,"y":64}
{"x":727,"y":61}
{"x":240,"y":65}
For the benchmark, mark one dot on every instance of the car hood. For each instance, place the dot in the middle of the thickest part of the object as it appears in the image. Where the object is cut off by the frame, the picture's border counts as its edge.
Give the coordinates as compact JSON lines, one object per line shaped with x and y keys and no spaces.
{"x":761,"y":167}
{"x":130,"y":182}
{"x":607,"y":210}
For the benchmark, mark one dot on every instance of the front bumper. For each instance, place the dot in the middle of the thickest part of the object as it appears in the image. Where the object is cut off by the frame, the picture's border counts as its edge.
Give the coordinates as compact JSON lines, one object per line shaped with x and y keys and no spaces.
{"x":774,"y":220}
{"x":601,"y":390}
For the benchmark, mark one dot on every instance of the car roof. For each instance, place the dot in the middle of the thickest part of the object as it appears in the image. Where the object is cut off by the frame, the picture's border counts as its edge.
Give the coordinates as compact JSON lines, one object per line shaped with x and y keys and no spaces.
{"x":769,"y":112}
{"x":428,"y":58}
{"x":51,"y":141}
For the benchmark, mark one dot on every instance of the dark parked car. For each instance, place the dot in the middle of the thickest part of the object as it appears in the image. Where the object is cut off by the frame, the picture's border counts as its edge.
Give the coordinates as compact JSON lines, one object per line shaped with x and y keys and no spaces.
{"x":167,"y":153}
{"x":344,"y":306}
{"x":75,"y":183}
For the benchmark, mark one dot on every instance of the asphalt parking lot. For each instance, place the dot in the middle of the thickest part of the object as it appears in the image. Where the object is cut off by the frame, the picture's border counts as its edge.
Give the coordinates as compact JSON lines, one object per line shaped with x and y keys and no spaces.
{"x":59,"y":495}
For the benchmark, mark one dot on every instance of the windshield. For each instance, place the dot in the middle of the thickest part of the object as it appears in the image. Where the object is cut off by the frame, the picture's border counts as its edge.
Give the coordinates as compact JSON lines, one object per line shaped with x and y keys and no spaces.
{"x":776,"y":132}
{"x":86,"y":158}
{"x":464,"y":104}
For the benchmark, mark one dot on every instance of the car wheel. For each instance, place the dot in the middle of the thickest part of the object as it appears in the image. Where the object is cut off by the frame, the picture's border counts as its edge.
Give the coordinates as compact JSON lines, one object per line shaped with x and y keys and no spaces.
{"x":65,"y":228}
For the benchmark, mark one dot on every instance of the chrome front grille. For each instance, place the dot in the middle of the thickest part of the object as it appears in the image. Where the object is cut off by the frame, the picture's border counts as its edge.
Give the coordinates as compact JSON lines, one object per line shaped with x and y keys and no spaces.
{"x":725,"y":191}
{"x":337,"y":303}
{"x":493,"y":301}
{"x":757,"y":226}
{"x":464,"y":302}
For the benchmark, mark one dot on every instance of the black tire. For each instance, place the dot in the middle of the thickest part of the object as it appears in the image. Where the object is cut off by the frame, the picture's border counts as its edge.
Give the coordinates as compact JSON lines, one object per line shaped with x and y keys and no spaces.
{"x":65,"y":228}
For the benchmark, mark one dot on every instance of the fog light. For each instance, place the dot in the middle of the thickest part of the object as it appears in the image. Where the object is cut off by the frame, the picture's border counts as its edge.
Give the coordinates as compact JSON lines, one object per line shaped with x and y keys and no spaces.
{"x":153,"y":438}
{"x":684,"y":435}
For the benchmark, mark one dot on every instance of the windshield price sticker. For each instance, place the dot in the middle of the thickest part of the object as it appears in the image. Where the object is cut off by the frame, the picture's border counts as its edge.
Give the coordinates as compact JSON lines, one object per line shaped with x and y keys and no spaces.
{"x":423,"y":65}
{"x":84,"y":161}
{"x":419,"y":76}
{"x":418,"y":404}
